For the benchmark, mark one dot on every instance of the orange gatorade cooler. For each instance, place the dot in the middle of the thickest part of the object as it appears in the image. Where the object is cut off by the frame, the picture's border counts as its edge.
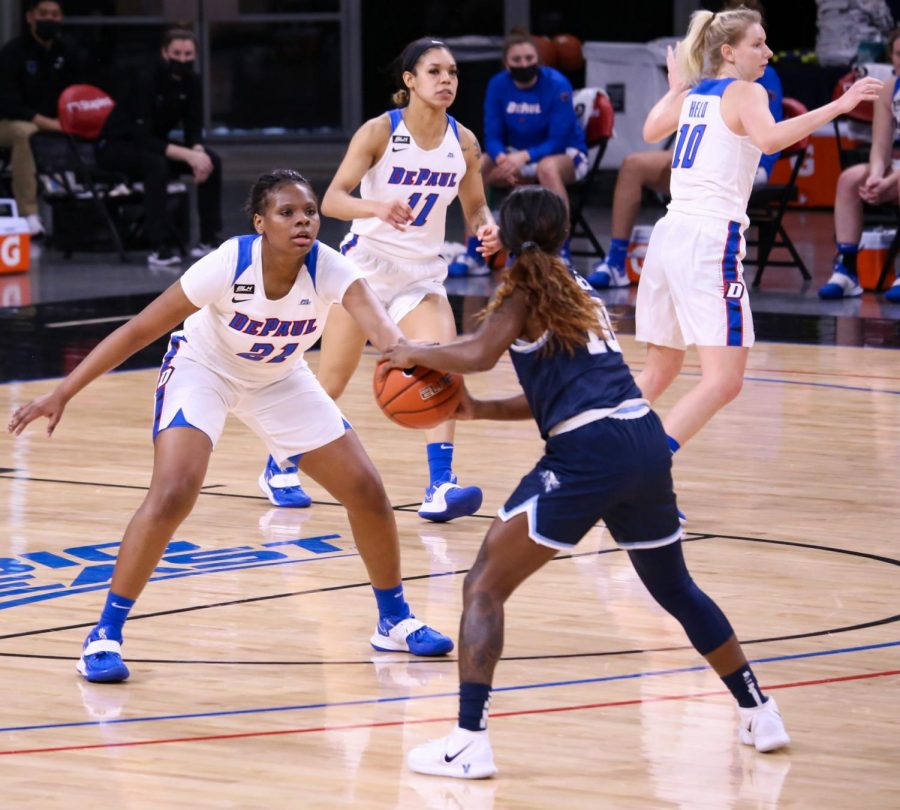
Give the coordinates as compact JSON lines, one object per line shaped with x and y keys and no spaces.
{"x":873,"y":250}
{"x":15,"y":239}
{"x":637,"y":249}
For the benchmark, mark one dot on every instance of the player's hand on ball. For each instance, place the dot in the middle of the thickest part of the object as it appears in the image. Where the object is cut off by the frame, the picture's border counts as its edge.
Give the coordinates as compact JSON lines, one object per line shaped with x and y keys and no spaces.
{"x":466,"y":407}
{"x":398,"y":356}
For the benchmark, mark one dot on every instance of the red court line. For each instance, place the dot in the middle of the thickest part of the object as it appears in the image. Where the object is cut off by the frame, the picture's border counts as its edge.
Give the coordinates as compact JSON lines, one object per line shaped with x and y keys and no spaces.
{"x":584,"y":706}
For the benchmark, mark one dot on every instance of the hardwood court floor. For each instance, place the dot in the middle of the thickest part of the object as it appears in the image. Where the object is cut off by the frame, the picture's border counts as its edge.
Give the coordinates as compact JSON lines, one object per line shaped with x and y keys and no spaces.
{"x":253,"y":683}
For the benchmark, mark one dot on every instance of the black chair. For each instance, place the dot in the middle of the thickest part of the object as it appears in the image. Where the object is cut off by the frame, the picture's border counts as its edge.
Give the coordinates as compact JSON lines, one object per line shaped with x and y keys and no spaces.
{"x":71,"y":183}
{"x":595,"y":113}
{"x":6,"y":189}
{"x":767,"y":207}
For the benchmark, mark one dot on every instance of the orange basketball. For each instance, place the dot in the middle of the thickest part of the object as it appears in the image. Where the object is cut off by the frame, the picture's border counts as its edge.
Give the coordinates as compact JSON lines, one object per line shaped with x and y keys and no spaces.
{"x":546,"y":48}
{"x":417,"y":397}
{"x":569,"y":53}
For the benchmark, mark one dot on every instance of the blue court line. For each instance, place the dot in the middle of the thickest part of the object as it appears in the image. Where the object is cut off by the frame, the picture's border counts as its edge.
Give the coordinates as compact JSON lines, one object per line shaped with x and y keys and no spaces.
{"x":780,"y":381}
{"x":404,"y":698}
{"x":57,"y":594}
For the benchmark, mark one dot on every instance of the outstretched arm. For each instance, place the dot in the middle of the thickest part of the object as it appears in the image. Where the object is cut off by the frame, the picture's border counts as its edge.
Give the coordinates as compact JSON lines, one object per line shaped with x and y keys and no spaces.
{"x":159,"y":317}
{"x":749,"y":106}
{"x":370,"y":314}
{"x":477,"y":352}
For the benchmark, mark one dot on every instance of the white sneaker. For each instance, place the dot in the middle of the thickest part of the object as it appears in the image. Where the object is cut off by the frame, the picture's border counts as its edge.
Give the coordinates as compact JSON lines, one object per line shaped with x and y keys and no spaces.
{"x":448,"y":500}
{"x":762,"y":727}
{"x":603,"y":276}
{"x":35,"y":226}
{"x":199,"y":250}
{"x":464,"y":755}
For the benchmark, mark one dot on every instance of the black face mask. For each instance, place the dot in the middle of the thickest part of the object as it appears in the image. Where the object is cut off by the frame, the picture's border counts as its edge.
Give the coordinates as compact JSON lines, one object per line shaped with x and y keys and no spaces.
{"x":47,"y":30}
{"x":524,"y":75}
{"x":180,"y":70}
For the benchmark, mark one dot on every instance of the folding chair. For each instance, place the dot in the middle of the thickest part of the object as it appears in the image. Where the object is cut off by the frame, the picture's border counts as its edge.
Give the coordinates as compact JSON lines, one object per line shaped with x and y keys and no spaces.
{"x":858,"y":120}
{"x":768,"y":205}
{"x":595,"y":113}
{"x":6,"y":188}
{"x":70,"y":180}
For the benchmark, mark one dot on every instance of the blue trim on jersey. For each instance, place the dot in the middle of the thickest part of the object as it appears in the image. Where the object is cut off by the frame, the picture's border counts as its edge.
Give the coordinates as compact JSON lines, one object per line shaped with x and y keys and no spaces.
{"x":349,"y":244}
{"x":245,"y":253}
{"x":396,"y":118}
{"x":174,"y":345}
{"x":734,"y":312}
{"x":453,"y":125}
{"x":711,"y":87}
{"x":311,"y":260}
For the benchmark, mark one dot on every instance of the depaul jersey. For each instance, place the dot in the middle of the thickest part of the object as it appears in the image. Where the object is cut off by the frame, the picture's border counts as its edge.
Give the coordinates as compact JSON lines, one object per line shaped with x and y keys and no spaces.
{"x":426,"y":179}
{"x":712,"y":168}
{"x":559,"y":385}
{"x":242,"y":334}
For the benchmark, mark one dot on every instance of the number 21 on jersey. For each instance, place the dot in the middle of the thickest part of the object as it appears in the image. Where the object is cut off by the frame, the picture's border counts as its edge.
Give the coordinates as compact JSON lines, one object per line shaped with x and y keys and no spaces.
{"x":687,"y":145}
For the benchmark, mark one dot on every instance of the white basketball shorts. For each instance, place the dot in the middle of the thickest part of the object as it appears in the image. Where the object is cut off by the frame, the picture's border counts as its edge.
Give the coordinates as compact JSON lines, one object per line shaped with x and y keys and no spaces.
{"x":400,"y":284}
{"x":292,"y":415}
{"x":692,"y":288}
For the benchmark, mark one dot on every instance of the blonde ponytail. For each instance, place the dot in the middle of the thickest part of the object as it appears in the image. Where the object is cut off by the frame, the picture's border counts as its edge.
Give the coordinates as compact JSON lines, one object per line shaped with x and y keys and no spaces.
{"x":700,"y":52}
{"x":692,"y":49}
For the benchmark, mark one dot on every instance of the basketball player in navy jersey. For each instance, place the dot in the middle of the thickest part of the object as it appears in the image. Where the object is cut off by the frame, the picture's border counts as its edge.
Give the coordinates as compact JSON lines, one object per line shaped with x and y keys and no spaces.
{"x":250,"y":310}
{"x":605,"y":458}
{"x":409,"y":165}
{"x":692,"y":288}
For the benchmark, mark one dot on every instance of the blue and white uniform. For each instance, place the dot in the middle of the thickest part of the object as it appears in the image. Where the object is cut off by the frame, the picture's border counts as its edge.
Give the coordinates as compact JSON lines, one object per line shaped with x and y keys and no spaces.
{"x":402,"y":267}
{"x":539,"y":119}
{"x":692,"y":288}
{"x":606,"y":455}
{"x":242,"y":352}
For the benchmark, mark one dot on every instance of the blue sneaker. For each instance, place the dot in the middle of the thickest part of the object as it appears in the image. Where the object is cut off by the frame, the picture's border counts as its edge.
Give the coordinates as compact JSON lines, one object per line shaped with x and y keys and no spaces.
{"x":410,"y":635}
{"x":892,"y":294}
{"x":463,"y":265}
{"x":101,"y":659}
{"x":682,"y":517}
{"x":842,"y":284}
{"x":604,"y":276}
{"x":447,"y":500}
{"x":282,"y":486}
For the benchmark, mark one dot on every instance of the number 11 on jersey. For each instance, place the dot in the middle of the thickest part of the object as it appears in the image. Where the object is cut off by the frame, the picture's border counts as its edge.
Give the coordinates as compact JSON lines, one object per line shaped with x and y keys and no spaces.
{"x":422,"y":216}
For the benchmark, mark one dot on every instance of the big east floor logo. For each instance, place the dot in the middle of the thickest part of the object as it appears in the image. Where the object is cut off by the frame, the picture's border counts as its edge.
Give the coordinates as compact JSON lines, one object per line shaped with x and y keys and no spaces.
{"x":40,"y":575}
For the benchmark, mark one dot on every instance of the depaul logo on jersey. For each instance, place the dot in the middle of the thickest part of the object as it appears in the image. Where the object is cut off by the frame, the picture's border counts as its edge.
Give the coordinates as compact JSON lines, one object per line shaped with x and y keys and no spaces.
{"x":421,"y":177}
{"x":734,"y":289}
{"x":522,"y":108}
{"x":41,"y":575}
{"x":271,"y":327}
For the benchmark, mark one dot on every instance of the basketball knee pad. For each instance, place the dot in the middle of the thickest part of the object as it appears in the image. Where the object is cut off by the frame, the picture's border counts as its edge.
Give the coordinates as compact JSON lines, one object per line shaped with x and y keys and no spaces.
{"x":665,"y":575}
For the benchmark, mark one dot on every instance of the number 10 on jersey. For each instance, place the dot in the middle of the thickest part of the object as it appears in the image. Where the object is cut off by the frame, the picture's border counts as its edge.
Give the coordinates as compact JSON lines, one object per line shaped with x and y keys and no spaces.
{"x":688,"y":143}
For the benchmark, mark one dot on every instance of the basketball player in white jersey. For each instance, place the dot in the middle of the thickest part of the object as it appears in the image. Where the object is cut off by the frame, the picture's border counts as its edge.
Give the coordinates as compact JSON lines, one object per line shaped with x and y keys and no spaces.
{"x":250,"y":310}
{"x":410,"y":164}
{"x":692,"y":289}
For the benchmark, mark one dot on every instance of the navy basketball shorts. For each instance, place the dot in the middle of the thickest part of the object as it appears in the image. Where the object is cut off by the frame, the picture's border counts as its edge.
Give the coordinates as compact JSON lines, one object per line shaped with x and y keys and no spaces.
{"x":615,"y":470}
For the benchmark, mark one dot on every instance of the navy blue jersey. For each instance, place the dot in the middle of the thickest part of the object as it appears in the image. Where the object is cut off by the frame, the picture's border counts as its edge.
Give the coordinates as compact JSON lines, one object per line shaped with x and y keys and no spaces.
{"x":559,"y":385}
